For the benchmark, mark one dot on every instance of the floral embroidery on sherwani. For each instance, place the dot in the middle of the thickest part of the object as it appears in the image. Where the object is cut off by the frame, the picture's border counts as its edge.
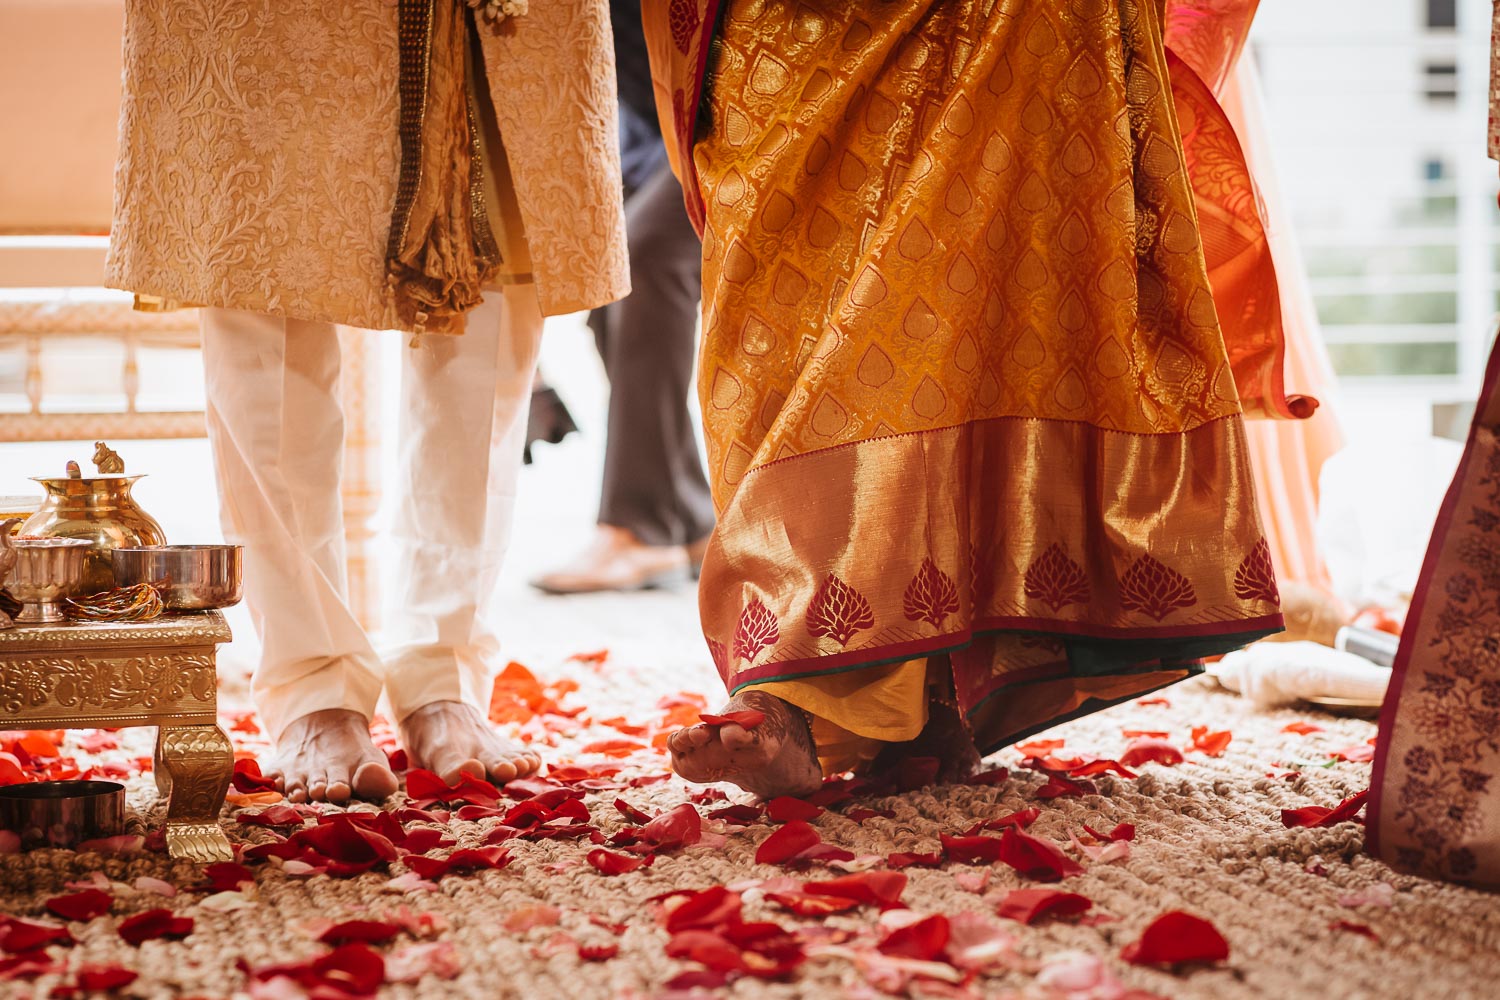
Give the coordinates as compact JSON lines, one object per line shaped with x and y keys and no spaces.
{"x":259,"y":155}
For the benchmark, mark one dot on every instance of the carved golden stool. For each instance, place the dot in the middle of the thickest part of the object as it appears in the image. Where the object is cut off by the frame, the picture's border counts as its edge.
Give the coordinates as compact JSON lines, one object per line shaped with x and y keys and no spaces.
{"x":158,"y":673}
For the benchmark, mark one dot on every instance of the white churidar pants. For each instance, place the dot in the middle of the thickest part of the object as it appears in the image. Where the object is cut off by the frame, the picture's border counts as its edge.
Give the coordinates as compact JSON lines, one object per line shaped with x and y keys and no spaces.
{"x":276,"y":430}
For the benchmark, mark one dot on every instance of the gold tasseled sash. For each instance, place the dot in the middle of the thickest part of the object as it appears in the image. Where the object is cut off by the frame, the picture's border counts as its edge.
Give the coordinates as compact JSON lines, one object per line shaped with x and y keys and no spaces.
{"x":442,"y":251}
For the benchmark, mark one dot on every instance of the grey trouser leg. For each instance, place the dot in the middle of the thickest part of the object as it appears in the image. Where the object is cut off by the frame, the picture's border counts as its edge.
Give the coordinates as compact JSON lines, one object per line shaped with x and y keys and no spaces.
{"x":653,"y":475}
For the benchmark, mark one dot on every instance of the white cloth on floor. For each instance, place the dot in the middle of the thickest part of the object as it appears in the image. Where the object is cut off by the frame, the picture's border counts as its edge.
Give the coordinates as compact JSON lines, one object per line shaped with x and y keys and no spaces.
{"x":276,"y":430}
{"x":1279,"y":673}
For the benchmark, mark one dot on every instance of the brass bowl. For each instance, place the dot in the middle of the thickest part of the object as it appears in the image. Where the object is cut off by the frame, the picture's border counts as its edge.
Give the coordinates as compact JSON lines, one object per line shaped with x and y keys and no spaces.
{"x":188,"y":577}
{"x":62,"y":813}
{"x":46,"y":571}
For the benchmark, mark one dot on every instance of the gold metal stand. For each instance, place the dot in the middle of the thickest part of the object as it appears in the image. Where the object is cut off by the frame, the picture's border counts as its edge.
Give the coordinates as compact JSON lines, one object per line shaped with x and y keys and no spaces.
{"x":158,"y":673}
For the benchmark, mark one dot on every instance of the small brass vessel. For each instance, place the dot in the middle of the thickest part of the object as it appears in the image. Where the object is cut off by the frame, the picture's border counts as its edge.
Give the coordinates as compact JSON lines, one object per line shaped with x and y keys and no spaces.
{"x":46,"y":570}
{"x":98,"y":509}
{"x":62,"y":814}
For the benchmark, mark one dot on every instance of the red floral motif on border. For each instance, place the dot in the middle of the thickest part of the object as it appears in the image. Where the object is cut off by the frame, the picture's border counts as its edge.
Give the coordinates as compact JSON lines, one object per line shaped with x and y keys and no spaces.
{"x":682,"y":18}
{"x":1255,"y":580}
{"x":757,"y":630}
{"x":1155,"y":589}
{"x":838,"y":611}
{"x":931,"y":596}
{"x":1439,"y":797}
{"x":1056,"y":580}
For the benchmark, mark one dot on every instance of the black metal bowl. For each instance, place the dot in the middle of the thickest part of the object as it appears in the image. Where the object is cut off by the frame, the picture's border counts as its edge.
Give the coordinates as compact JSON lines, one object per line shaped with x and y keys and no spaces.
{"x":62,"y":813}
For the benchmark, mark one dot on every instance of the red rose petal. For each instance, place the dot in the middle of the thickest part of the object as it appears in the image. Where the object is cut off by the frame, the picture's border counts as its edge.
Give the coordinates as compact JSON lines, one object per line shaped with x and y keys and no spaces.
{"x":367,"y":931}
{"x":1176,"y":937}
{"x":1036,"y":858}
{"x":994,"y":776}
{"x":882,"y":889}
{"x":17,"y":936}
{"x":154,"y":924}
{"x":1030,"y":905}
{"x":614,"y":747}
{"x":1360,"y":753}
{"x":697,"y":979}
{"x":908,"y":859}
{"x":247,"y":777}
{"x":1039,"y":748}
{"x":1151,"y":750}
{"x":631,"y":813}
{"x":1020,"y":820}
{"x":1165,"y":703}
{"x":470,"y":859}
{"x":1319,"y":816}
{"x":861,"y":814}
{"x":85,"y":905}
{"x":277,"y":815}
{"x":1211,"y":743}
{"x":805,"y":905}
{"x":225,"y":876}
{"x":707,"y":909}
{"x":784,"y":809}
{"x":11,"y":771}
{"x":786,"y":843}
{"x":103,"y":978}
{"x":1348,"y":925}
{"x":678,"y":827}
{"x":1301,"y":728}
{"x":739,"y":813}
{"x":610,"y":863}
{"x":598,"y":952}
{"x":972,"y":850}
{"x":1101,"y":766}
{"x":424,"y":788}
{"x":747,"y":718}
{"x":924,"y":940}
{"x":29,"y":965}
{"x":1124,"y":831}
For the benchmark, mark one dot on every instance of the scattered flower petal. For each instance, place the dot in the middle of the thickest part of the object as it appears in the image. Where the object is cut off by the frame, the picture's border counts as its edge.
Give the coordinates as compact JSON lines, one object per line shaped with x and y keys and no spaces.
{"x":154,"y":924}
{"x":1151,"y":750}
{"x":1212,"y":743}
{"x":1036,"y":858}
{"x":1319,"y":816}
{"x":1030,"y":905}
{"x":1176,"y":937}
{"x":367,"y":931}
{"x":85,"y":905}
{"x":747,"y":718}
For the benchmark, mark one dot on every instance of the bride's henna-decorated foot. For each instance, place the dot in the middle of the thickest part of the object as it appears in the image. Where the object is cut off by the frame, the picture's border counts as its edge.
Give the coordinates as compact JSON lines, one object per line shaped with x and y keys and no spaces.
{"x":775,"y":758}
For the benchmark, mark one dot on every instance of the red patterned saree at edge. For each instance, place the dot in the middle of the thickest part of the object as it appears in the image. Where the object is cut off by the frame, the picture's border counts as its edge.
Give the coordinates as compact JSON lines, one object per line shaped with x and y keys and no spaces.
{"x":1435,"y":794}
{"x":986,"y":297}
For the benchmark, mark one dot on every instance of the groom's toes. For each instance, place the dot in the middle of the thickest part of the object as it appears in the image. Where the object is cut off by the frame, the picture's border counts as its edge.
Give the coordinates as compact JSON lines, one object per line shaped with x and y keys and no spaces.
{"x":374,"y":780}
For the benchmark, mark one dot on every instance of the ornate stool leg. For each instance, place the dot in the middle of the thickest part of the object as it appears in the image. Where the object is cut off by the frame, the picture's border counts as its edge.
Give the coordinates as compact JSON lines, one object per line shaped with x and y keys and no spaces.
{"x":195,"y":764}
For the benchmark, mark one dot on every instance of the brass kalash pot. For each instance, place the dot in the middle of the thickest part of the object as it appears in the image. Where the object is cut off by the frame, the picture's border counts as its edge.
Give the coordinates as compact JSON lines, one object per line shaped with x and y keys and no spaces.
{"x":99,"y":509}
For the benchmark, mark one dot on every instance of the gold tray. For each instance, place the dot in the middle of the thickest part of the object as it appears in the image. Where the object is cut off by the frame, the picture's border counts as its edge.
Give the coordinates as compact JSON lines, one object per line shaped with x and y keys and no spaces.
{"x":1356,"y":707}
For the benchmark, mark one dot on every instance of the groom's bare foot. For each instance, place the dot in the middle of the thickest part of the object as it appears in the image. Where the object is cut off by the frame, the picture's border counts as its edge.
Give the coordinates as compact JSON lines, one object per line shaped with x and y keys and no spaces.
{"x":775,"y":758}
{"x":327,"y":756}
{"x":450,"y":737}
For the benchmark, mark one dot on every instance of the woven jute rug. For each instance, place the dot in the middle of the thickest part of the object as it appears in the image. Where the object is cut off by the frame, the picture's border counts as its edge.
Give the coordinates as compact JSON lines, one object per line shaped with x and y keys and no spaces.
{"x":1209,"y":840}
